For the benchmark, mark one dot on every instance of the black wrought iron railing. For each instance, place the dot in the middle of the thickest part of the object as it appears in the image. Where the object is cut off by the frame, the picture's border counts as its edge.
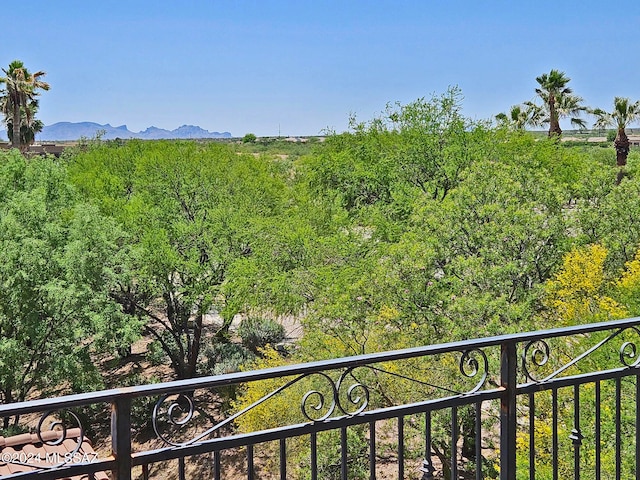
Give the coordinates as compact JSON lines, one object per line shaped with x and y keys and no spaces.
{"x":560,"y":403}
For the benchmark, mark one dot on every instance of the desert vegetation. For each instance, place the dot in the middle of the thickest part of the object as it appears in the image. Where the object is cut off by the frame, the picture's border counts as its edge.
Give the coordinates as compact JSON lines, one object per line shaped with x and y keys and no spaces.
{"x":417,"y":226}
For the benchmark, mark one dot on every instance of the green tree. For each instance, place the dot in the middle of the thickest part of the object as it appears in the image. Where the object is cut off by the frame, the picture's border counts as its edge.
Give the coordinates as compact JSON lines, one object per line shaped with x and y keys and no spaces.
{"x":197,"y":216}
{"x":18,"y":100}
{"x":446,"y":220}
{"x":249,"y":138}
{"x":59,"y":260}
{"x":558,"y":101}
{"x":411,"y":268}
{"x":437,"y":143}
{"x":612,"y":218}
{"x":623,"y":114}
{"x":495,"y":239}
{"x":421,"y":148}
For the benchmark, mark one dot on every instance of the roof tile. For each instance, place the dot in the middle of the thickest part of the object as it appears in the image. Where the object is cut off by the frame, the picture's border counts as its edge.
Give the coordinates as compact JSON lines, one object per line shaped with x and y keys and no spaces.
{"x":29,"y":446}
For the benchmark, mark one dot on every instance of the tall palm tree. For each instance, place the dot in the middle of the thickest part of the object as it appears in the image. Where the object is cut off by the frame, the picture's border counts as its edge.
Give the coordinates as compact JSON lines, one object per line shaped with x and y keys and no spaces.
{"x":559,"y":101}
{"x":20,"y":91}
{"x":624,"y":113}
{"x":28,"y":128}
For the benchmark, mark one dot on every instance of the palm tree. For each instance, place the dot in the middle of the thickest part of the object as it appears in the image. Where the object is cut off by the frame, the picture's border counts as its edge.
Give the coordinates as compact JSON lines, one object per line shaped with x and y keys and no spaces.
{"x":624,"y":113}
{"x":559,"y":101}
{"x":21,"y":89}
{"x":520,"y":116}
{"x":28,"y":129}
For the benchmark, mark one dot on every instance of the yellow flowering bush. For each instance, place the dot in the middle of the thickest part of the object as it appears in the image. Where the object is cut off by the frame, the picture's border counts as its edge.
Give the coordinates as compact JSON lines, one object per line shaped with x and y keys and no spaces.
{"x":579,"y":292}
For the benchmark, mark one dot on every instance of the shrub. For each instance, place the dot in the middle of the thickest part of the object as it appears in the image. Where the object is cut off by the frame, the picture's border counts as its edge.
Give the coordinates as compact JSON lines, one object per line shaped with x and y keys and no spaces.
{"x":225,"y":358}
{"x":155,"y":354}
{"x":257,"y":333}
{"x":249,"y":138}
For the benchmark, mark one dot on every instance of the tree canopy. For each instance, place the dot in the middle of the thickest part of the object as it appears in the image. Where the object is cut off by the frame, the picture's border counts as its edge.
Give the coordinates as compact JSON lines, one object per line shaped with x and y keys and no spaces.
{"x":558,"y":101}
{"x":193,"y":213}
{"x":59,"y":260}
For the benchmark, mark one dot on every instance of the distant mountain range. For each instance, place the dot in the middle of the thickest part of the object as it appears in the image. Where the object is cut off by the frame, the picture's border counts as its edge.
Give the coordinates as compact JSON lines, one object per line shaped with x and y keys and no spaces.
{"x":75,"y":131}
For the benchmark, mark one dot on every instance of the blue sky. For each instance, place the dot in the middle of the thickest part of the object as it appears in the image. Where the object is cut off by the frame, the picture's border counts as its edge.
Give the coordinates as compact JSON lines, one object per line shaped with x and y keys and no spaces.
{"x":300,"y":67}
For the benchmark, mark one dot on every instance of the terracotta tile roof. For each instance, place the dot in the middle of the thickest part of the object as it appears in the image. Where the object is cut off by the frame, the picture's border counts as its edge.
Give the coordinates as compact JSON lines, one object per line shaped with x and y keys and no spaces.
{"x":33,"y":454}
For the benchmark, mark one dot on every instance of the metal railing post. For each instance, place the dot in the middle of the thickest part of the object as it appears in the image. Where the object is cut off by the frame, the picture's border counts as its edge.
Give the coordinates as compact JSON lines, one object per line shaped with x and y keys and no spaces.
{"x":508,"y":367}
{"x":121,"y":437}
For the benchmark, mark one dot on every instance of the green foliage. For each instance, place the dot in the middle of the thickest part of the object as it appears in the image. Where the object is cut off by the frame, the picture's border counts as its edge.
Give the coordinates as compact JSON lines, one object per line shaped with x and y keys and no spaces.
{"x":257,"y":333}
{"x":424,"y":145}
{"x":194,"y":212}
{"x":498,"y":237}
{"x":329,"y":455}
{"x":611,"y":217}
{"x":13,"y":430}
{"x":482,"y":252}
{"x":225,"y":357}
{"x":59,"y":260}
{"x":249,"y":138}
{"x":155,"y":354}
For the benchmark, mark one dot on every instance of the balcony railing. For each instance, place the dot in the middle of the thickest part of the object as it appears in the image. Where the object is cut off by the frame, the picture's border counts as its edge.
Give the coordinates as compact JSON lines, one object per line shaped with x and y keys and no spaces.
{"x":559,"y":403}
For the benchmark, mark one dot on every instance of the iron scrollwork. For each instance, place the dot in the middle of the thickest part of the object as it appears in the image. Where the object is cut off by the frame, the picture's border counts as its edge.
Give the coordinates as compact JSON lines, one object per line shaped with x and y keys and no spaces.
{"x":536,"y":353}
{"x":346,"y":394}
{"x":356,"y":394}
{"x":472,"y":363}
{"x":60,"y":427}
{"x":629,"y":354}
{"x":313,"y":402}
{"x":179,"y":412}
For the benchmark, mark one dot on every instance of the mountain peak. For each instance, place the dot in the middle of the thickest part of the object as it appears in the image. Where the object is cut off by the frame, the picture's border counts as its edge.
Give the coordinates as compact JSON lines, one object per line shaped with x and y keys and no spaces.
{"x":76,"y":130}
